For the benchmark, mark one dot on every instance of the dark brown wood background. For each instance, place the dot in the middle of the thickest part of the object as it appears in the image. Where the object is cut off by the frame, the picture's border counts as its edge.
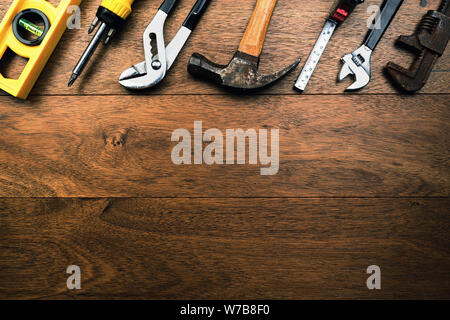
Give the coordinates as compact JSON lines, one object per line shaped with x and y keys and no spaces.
{"x":364,"y":178}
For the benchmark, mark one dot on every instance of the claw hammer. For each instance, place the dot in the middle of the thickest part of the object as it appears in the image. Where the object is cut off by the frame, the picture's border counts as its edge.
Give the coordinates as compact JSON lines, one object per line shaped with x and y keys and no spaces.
{"x":242,"y":72}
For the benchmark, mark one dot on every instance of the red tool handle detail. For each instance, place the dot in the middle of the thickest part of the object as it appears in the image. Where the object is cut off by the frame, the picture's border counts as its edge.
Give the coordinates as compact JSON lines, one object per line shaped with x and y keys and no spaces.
{"x":343,"y":9}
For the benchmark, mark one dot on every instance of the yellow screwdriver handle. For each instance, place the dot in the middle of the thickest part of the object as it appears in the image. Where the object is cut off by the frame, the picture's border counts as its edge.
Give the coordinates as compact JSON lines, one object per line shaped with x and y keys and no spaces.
{"x":122,"y":8}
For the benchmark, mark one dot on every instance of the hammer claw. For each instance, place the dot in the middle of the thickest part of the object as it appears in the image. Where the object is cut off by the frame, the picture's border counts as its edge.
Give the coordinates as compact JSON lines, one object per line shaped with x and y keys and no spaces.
{"x":266,"y":80}
{"x":241,"y":73}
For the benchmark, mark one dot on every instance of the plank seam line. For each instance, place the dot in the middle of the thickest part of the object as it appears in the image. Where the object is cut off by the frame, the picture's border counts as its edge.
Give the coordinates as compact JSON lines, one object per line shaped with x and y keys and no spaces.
{"x":234,"y":95}
{"x":312,"y":198}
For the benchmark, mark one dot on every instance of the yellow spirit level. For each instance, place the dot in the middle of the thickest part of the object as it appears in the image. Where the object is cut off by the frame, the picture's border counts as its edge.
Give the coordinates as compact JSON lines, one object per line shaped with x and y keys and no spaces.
{"x":36,"y":49}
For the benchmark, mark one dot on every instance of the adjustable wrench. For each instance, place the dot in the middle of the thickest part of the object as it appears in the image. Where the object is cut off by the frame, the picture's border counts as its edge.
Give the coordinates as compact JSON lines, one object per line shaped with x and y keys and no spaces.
{"x":358,"y":62}
{"x":341,"y":11}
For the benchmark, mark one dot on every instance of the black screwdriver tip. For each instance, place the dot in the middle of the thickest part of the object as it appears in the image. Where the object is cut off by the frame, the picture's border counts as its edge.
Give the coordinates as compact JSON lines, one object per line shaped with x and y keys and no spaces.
{"x":73,"y":77}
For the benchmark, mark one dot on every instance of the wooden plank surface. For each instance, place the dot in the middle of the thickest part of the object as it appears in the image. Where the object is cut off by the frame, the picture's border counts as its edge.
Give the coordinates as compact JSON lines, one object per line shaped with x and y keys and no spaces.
{"x":225,"y":248}
{"x":292,"y":33}
{"x":86,"y":175}
{"x":340,"y":146}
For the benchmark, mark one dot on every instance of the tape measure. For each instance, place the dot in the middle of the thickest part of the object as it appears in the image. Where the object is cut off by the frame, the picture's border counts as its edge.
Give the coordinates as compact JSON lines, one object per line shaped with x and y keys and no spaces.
{"x":32,"y":29}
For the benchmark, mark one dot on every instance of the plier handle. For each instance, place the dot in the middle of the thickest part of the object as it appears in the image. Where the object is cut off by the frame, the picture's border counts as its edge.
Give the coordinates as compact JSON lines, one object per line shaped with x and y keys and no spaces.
{"x":152,"y":71}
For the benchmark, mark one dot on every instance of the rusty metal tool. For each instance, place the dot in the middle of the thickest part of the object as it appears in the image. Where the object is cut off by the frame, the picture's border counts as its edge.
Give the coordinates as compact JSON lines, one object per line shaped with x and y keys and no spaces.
{"x":341,"y":11}
{"x":358,"y":63}
{"x":242,"y":71}
{"x":429,"y":43}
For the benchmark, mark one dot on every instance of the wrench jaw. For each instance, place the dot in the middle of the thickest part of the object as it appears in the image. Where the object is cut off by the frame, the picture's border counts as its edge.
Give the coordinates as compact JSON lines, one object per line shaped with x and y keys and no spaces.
{"x":345,"y":70}
{"x":357,"y":64}
{"x":414,"y":78}
{"x":147,"y":74}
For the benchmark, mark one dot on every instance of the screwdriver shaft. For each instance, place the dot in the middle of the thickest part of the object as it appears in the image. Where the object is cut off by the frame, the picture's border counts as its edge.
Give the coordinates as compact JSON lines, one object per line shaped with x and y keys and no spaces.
{"x":88,"y":53}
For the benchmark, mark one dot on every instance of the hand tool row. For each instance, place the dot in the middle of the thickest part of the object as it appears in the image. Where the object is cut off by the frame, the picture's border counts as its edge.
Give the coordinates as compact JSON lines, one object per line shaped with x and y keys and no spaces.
{"x":32,"y":28}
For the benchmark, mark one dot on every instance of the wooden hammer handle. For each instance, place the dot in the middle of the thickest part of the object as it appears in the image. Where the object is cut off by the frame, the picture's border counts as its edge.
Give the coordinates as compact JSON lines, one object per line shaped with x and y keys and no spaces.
{"x":253,"y":40}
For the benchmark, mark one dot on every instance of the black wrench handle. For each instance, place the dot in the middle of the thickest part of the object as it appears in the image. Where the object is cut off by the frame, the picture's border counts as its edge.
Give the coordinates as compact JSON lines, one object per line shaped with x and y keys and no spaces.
{"x":196,"y":13}
{"x":167,"y":6}
{"x":388,"y":12}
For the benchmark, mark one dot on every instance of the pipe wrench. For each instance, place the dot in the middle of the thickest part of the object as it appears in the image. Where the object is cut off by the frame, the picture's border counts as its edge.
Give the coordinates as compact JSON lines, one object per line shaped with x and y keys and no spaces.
{"x":357,"y":63}
{"x":159,"y":58}
{"x":428,"y":43}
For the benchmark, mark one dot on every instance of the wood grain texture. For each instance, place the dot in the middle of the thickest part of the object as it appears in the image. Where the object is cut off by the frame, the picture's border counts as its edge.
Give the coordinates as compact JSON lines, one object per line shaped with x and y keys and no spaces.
{"x":225,"y":248}
{"x":292,"y":32}
{"x":343,"y":146}
{"x":364,"y":178}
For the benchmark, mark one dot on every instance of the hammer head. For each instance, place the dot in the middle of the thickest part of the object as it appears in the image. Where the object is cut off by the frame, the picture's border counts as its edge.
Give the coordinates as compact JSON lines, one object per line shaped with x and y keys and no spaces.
{"x":241,"y":73}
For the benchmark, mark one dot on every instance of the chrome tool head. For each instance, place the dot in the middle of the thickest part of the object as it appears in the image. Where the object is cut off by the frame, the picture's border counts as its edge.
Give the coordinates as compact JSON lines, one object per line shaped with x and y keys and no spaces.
{"x":146,"y":74}
{"x":357,"y":64}
{"x":172,"y":51}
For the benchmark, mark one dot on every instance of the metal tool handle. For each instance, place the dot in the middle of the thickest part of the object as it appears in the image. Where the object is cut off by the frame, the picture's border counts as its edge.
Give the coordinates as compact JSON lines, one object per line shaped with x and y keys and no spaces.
{"x":196,"y":13}
{"x":253,"y":40}
{"x":444,"y":8}
{"x":388,"y":12}
{"x":167,"y":6}
{"x":342,"y":9}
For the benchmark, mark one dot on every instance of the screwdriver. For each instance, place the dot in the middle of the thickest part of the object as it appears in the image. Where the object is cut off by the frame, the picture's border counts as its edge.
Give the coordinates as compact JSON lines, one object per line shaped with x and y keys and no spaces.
{"x":110,"y":15}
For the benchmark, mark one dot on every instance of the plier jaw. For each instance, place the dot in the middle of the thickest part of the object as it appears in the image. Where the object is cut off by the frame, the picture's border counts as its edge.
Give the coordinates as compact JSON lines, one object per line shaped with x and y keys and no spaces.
{"x":152,"y":71}
{"x":148,"y":73}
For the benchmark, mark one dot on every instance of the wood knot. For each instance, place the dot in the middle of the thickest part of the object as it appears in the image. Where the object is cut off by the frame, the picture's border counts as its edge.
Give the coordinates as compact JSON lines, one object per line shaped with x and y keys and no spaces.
{"x":117,"y":139}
